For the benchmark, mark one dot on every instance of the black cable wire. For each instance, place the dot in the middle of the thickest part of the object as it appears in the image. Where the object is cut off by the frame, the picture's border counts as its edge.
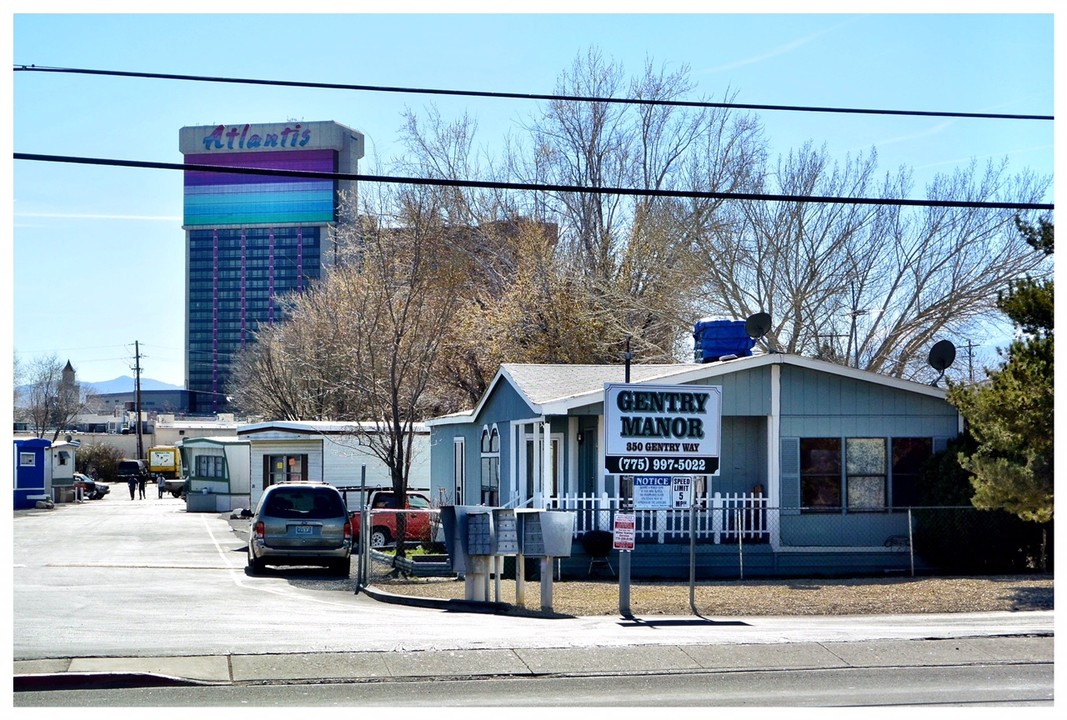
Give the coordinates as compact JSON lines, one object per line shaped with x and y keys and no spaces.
{"x":526,"y":96}
{"x":492,"y":185}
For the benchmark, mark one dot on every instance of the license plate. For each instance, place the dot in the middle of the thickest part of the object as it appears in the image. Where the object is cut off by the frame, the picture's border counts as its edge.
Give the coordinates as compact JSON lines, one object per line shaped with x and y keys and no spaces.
{"x":304,"y":530}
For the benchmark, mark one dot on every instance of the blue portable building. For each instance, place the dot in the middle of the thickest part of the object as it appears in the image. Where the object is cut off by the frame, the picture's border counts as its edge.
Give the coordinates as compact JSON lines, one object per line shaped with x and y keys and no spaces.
{"x":32,"y":472}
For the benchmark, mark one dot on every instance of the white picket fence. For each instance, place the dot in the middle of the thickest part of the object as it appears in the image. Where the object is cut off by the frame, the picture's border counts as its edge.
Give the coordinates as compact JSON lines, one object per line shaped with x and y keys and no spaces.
{"x":718,"y":520}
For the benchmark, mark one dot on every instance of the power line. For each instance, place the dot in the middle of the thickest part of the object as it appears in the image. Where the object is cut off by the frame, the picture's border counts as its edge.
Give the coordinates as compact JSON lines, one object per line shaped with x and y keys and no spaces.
{"x":541,"y":187}
{"x":528,"y":96}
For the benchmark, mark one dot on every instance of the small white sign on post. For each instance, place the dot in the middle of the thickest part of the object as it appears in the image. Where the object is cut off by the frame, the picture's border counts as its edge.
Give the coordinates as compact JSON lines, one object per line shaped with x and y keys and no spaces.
{"x":624,"y":531}
{"x":682,"y":491}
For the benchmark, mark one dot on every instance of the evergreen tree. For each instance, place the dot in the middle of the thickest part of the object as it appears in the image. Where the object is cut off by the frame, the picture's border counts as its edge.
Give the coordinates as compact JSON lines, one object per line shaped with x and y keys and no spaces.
{"x":1011,"y":414}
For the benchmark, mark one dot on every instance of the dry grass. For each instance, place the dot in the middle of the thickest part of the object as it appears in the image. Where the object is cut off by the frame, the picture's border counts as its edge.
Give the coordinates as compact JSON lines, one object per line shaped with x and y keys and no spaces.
{"x":864,"y":596}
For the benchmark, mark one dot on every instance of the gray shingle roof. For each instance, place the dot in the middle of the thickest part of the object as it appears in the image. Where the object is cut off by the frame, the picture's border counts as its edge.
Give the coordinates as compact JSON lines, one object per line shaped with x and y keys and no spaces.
{"x":542,"y":384}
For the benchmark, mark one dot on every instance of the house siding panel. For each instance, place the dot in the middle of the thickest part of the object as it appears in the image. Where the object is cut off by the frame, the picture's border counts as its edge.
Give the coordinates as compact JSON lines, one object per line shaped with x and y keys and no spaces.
{"x":744,"y":393}
{"x":743,"y":456}
{"x":822,"y":405}
{"x":504,"y":404}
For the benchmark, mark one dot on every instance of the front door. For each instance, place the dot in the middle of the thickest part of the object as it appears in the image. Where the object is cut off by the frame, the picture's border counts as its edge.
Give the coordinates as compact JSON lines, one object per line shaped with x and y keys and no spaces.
{"x":284,"y":468}
{"x":536,"y":482}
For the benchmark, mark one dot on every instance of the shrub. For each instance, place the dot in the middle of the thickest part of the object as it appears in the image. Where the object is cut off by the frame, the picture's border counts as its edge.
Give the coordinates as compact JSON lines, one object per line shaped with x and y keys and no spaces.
{"x":98,"y":461}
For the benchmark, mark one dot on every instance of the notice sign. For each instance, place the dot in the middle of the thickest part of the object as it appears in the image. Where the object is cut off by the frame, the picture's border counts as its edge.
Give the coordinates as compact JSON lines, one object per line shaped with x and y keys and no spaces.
{"x":662,"y":429}
{"x":624,"y":532}
{"x":652,"y":492}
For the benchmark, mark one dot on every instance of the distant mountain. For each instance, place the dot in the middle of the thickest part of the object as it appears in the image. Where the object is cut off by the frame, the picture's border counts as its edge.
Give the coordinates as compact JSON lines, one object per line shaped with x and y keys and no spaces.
{"x":125,"y":383}
{"x":121,"y":384}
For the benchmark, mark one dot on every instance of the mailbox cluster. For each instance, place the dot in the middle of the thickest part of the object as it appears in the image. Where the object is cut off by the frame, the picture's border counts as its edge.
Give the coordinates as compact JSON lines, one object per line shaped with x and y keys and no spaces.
{"x":478,"y":538}
{"x":474,"y":531}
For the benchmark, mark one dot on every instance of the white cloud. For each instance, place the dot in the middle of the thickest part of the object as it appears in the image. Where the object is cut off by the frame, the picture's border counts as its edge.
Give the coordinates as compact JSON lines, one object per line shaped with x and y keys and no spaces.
{"x":95,"y":216}
{"x":778,"y":51}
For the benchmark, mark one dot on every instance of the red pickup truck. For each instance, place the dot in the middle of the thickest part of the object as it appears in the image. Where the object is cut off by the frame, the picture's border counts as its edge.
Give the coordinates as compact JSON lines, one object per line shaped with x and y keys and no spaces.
{"x":383,"y":514}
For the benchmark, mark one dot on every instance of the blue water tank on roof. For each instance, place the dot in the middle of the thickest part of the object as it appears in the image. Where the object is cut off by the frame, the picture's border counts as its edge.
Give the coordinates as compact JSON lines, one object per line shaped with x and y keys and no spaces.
{"x":714,"y":339}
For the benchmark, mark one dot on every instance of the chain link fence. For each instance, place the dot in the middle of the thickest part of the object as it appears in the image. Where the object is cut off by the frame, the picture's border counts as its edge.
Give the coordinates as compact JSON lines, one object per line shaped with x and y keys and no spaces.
{"x":380,"y":555}
{"x":744,"y":541}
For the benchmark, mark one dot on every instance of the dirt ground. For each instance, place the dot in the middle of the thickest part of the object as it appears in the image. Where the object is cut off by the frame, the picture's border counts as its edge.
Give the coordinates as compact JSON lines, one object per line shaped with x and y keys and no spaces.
{"x":864,"y":596}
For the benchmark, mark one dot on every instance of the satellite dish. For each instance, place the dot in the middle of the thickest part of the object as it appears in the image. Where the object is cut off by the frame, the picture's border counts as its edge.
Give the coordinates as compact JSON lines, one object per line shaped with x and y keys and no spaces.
{"x":941,"y":356}
{"x":758,"y":325}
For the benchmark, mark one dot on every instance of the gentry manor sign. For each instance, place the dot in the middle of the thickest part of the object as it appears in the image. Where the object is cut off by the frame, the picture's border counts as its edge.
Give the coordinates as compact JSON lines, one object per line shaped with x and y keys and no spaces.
{"x":657,"y":429}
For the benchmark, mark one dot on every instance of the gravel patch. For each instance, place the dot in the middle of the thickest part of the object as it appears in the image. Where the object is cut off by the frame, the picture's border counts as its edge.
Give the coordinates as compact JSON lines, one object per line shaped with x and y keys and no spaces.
{"x":862,"y":596}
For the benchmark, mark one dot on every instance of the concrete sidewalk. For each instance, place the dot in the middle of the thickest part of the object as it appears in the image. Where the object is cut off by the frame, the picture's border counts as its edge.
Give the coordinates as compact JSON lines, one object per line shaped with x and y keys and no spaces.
{"x":80,"y":673}
{"x":593,"y":646}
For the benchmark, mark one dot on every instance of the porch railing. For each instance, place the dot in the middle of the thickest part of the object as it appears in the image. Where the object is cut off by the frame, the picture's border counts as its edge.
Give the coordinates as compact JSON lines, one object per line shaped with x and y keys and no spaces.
{"x":719,"y":518}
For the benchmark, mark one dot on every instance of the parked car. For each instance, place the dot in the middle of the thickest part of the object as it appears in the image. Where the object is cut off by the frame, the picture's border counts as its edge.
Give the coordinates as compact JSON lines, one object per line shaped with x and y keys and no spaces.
{"x":384,"y":510}
{"x":91,"y":489}
{"x":300,"y":523}
{"x":128,"y":468}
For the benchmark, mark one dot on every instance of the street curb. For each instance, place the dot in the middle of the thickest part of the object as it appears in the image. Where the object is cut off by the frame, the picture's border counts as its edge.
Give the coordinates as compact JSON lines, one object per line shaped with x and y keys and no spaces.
{"x":98,"y":681}
{"x":450,"y":605}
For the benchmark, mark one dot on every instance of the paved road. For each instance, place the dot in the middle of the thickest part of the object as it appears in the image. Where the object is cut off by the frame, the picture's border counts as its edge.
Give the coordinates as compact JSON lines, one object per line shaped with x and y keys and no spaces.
{"x":128,"y":588}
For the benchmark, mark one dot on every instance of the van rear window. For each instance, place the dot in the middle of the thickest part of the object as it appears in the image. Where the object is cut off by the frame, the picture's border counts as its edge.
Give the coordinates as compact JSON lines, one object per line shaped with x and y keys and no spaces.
{"x":306,"y":503}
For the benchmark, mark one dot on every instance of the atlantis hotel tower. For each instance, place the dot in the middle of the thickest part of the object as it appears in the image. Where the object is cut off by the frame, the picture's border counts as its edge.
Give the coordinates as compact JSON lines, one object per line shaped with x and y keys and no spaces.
{"x":250,"y":239}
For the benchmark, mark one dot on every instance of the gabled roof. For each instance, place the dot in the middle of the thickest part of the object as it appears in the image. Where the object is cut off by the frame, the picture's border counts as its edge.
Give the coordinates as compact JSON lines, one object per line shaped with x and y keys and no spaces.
{"x":316,"y":427}
{"x":216,"y":440}
{"x":556,"y":389}
{"x":545,"y":384}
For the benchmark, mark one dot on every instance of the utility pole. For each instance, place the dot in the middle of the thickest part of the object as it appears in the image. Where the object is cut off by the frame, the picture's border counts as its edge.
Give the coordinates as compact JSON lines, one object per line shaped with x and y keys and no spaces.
{"x":626,"y":506}
{"x":137,"y":397}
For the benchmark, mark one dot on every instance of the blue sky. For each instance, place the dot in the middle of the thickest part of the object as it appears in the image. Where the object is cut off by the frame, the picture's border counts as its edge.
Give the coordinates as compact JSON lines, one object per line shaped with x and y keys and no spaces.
{"x":97,"y":254}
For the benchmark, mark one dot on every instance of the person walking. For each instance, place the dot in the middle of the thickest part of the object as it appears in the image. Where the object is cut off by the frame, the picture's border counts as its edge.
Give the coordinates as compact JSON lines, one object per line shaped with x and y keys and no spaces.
{"x":140,"y":485}
{"x":132,"y":482}
{"x":159,"y":485}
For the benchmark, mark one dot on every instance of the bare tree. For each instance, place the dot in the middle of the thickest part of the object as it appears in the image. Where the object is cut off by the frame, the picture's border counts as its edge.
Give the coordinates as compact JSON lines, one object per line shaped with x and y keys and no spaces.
{"x":362,"y":344}
{"x":287,"y":372}
{"x":397,"y":299}
{"x":873,"y":285}
{"x":635,"y":254}
{"x":54,"y":398}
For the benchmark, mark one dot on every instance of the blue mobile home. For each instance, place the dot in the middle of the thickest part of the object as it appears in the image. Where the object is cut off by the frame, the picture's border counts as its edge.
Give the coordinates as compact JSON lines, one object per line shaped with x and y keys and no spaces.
{"x":32,"y":472}
{"x":819,"y":463}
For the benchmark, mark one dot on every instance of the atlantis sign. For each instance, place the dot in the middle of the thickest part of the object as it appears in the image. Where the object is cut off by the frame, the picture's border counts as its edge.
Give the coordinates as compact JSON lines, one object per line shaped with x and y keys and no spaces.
{"x":657,"y":429}
{"x":248,"y":137}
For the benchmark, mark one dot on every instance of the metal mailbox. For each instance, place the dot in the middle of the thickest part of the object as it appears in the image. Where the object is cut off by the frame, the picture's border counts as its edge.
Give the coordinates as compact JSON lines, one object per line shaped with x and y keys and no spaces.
{"x":479,"y":534}
{"x":455,"y":520}
{"x":505,"y":532}
{"x":546,"y":533}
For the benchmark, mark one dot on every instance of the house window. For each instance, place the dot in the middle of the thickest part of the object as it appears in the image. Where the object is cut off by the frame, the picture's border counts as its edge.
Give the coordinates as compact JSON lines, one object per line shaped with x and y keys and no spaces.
{"x":865,"y":479}
{"x":210,"y":466}
{"x":490,"y":466}
{"x":820,"y":474}
{"x":459,"y":455}
{"x":909,"y":457}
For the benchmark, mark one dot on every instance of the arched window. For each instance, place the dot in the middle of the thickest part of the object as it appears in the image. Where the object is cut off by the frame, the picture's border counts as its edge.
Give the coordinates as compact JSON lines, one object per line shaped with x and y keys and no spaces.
{"x":490,"y":447}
